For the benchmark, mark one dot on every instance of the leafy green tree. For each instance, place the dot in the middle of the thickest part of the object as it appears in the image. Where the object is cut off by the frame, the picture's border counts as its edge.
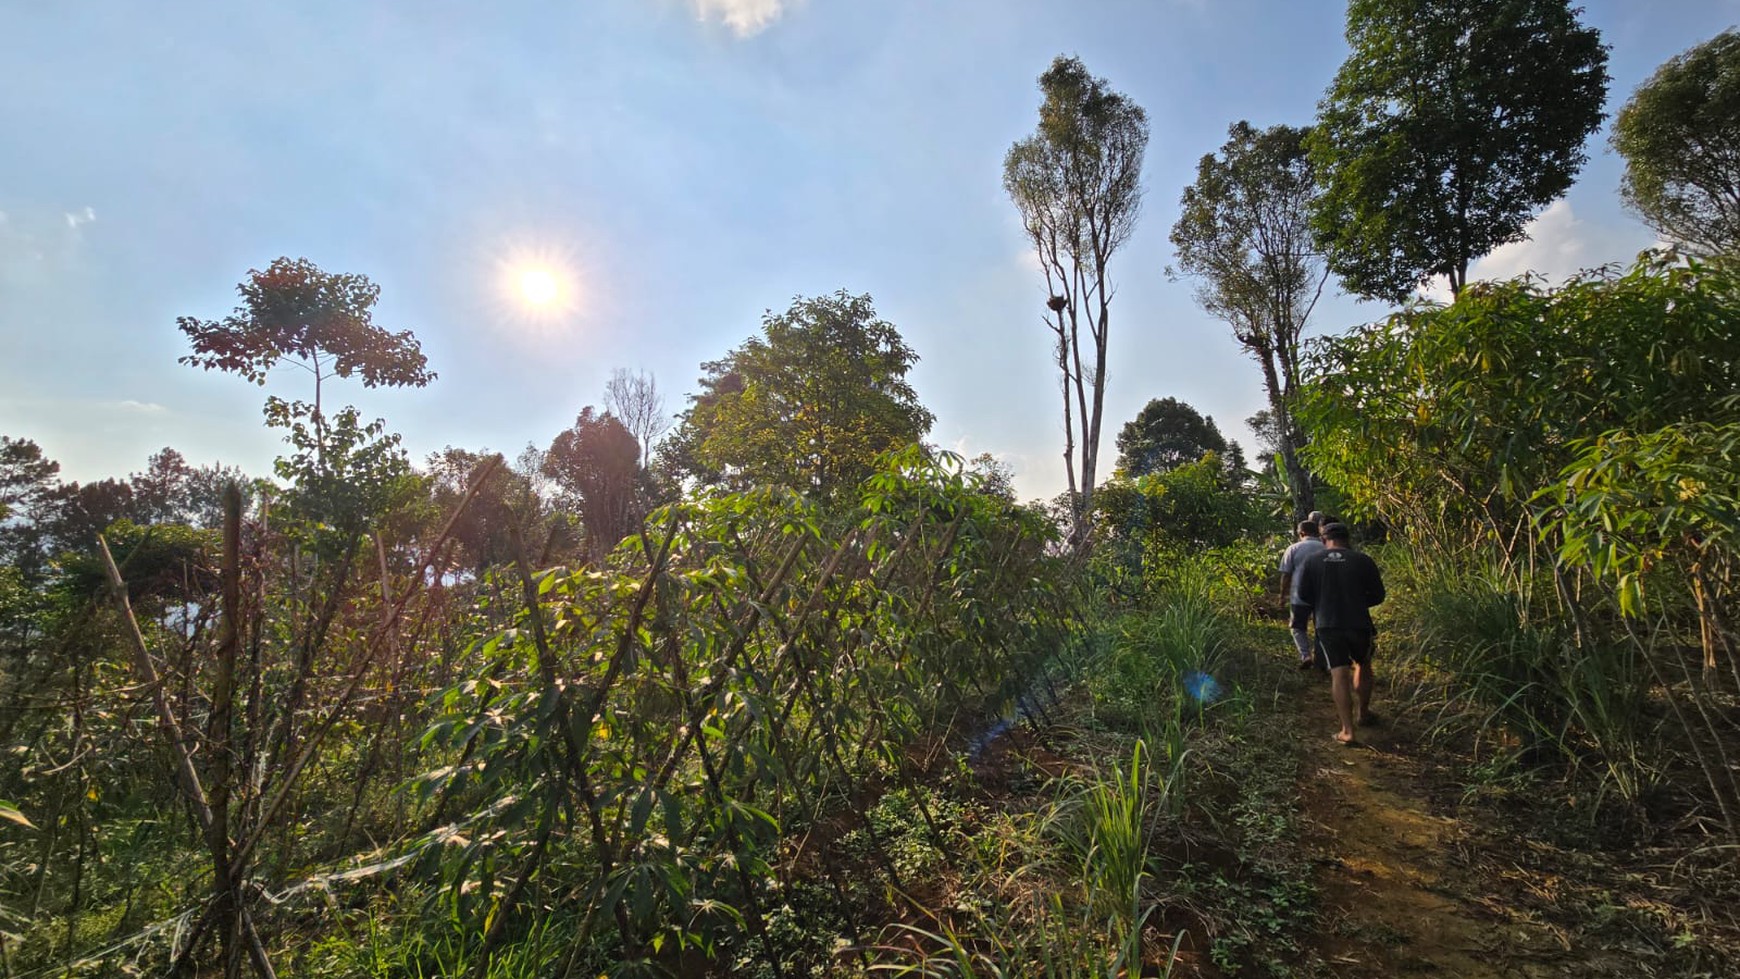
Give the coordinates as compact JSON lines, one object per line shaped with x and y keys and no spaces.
{"x":322,"y":322}
{"x":996,"y":477}
{"x":1680,"y":136}
{"x":1446,"y":421}
{"x":1192,"y":506}
{"x":1077,"y":182}
{"x":1245,"y":234}
{"x":483,"y":529}
{"x":1267,"y":432}
{"x":28,"y":482}
{"x":809,"y":404}
{"x":1450,"y":124}
{"x":171,"y":490}
{"x":1167,"y":434}
{"x":1577,"y":446}
{"x":293,"y":312}
{"x":597,"y":465}
{"x":81,"y":511}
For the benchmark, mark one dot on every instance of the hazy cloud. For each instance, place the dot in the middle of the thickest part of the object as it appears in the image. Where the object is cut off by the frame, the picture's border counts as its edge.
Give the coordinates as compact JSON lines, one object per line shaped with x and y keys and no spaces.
{"x":744,"y":17}
{"x":140,"y":407}
{"x":74,"y":220}
{"x":1559,"y":245}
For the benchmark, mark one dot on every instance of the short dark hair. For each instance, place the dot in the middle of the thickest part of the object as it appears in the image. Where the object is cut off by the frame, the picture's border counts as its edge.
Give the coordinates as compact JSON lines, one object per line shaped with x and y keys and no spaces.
{"x":1308,"y":528}
{"x":1336,"y":531}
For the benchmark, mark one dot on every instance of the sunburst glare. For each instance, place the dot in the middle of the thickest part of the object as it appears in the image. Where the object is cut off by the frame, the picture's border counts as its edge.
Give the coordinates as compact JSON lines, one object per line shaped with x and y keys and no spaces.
{"x":538,"y":286}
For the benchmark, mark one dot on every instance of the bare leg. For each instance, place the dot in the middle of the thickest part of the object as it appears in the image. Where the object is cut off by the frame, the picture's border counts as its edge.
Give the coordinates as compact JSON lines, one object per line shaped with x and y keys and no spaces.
{"x":1302,"y":642}
{"x":1362,"y":678}
{"x":1341,"y":688}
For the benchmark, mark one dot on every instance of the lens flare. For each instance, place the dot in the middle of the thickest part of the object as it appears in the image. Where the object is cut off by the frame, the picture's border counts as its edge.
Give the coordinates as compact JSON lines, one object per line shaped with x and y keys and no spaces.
{"x":537,"y":287}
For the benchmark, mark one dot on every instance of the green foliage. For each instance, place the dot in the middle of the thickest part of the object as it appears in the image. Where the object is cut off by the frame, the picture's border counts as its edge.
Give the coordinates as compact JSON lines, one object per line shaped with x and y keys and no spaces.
{"x":343,"y":473}
{"x":1078,"y":178}
{"x":808,"y":405}
{"x":1159,"y":520}
{"x":1559,"y":455}
{"x":1442,"y":418}
{"x":160,"y":563}
{"x":1450,"y":124}
{"x":1629,"y":502}
{"x":1112,"y":835}
{"x":27,"y":484}
{"x":292,"y":309}
{"x":730,"y":678}
{"x":596,"y":463}
{"x":1244,"y":234}
{"x":1244,"y":231}
{"x":1680,"y":137}
{"x":1521,"y":672}
{"x":1167,"y":434}
{"x":1139,"y":681}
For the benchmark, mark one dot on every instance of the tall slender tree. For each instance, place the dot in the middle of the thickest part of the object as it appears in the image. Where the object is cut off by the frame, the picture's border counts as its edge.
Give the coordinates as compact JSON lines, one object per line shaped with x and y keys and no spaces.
{"x":1245,"y":236}
{"x":1077,"y":182}
{"x":294,"y":313}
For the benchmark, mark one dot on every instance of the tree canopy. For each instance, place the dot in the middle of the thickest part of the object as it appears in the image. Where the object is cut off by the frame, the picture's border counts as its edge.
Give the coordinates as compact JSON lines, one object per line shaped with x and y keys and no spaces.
{"x":295,"y":311}
{"x":809,"y":404}
{"x":597,"y":465}
{"x":1680,"y":136}
{"x":1450,"y":124}
{"x":1167,"y":434}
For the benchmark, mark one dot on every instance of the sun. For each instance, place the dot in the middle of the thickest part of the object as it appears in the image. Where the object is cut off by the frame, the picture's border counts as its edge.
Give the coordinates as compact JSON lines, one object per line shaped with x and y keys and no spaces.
{"x":539,"y":287}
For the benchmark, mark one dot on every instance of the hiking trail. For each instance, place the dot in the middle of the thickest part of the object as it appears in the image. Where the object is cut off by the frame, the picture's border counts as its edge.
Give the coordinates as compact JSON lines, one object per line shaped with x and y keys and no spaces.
{"x":1396,"y":894}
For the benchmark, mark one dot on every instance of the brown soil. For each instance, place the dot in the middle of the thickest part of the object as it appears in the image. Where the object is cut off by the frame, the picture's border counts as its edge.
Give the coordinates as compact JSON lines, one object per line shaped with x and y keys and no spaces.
{"x":1398,"y":893}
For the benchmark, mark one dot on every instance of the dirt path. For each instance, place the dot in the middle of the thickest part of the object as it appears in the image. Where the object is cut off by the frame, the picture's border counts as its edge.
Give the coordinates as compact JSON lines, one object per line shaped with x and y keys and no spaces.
{"x":1394,"y":898}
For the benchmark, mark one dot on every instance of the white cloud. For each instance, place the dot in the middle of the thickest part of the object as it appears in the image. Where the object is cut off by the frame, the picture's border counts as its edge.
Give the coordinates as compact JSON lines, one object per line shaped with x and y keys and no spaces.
{"x":744,"y":17}
{"x":1559,"y":245}
{"x":85,"y":216}
{"x":139,"y":407}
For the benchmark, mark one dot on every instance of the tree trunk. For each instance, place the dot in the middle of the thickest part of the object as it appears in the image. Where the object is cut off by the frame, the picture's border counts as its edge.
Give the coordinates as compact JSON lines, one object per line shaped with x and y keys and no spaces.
{"x":1298,"y":479}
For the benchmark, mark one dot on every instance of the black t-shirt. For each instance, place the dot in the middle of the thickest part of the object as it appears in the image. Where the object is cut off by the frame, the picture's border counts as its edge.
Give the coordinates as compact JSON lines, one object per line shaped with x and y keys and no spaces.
{"x":1340,"y":585}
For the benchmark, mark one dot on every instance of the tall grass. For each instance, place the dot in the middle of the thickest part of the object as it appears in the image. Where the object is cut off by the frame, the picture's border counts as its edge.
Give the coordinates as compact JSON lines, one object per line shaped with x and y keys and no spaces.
{"x":1507,"y":653}
{"x":1110,"y":831}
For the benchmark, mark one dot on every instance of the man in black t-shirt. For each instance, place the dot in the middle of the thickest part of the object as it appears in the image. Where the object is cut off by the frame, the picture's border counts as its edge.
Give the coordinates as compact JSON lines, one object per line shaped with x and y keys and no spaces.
{"x":1341,"y":585}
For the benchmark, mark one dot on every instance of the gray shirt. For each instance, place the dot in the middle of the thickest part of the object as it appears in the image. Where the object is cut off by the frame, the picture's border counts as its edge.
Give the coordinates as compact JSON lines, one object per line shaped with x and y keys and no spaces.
{"x":1293,"y":561}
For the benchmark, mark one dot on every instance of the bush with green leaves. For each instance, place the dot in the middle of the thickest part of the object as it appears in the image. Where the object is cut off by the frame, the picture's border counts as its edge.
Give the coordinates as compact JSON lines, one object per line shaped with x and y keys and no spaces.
{"x":642,"y":748}
{"x":1576,"y":445}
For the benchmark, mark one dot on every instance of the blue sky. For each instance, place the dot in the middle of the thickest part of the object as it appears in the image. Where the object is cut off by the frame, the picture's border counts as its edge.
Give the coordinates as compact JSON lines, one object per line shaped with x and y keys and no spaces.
{"x":690,"y":163}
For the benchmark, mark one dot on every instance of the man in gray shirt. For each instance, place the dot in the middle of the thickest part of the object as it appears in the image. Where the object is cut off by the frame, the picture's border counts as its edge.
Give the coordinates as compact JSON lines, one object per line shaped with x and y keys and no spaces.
{"x":1292,"y":562}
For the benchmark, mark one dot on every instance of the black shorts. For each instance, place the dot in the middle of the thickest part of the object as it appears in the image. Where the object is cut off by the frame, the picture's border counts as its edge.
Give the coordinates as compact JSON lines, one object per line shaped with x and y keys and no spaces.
{"x":1301,"y":617}
{"x":1345,"y":647}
